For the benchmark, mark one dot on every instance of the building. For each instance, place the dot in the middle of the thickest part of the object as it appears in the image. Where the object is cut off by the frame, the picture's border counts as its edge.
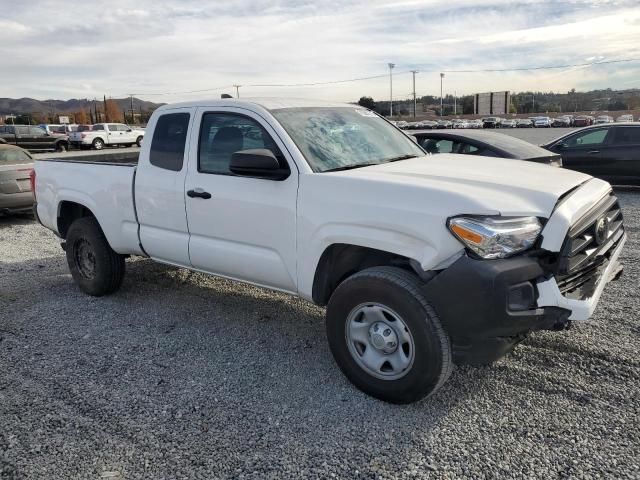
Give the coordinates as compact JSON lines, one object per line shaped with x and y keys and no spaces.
{"x":491,"y":103}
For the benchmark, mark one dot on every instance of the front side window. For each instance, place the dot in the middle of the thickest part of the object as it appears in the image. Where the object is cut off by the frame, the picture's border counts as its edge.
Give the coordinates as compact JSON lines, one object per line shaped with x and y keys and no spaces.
{"x":590,"y":138}
{"x":169,"y":139}
{"x":36,"y":132}
{"x":223,"y":134}
{"x":337,"y":138}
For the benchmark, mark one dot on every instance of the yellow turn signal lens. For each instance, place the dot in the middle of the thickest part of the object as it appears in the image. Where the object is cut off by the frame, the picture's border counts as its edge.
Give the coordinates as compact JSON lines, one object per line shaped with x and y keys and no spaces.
{"x":465,"y":234}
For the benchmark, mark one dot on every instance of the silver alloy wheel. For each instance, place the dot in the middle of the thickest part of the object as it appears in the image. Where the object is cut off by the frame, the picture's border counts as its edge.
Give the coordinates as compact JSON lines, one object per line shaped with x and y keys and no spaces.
{"x":379,"y":341}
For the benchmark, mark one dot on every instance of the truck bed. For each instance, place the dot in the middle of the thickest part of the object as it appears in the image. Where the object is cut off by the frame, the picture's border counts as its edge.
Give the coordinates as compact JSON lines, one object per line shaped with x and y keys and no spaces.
{"x":104,"y":187}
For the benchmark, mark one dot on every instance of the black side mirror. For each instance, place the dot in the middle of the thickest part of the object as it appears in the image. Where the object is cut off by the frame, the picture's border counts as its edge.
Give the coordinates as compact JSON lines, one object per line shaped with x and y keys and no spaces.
{"x":560,"y":146}
{"x":129,"y":130}
{"x":258,"y":163}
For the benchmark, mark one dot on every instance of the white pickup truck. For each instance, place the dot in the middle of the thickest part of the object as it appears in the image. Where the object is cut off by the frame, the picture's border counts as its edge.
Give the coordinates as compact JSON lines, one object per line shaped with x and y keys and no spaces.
{"x":423,"y":261}
{"x":102,"y":134}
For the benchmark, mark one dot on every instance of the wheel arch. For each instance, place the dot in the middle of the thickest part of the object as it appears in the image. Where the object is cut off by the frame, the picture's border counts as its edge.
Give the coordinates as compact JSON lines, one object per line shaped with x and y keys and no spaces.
{"x":341,"y":260}
{"x":68,"y":212}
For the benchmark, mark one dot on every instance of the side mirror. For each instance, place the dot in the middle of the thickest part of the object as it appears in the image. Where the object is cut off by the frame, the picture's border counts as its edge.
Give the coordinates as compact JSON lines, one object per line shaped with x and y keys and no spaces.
{"x":560,"y":146}
{"x":129,"y":130}
{"x":257,"y":163}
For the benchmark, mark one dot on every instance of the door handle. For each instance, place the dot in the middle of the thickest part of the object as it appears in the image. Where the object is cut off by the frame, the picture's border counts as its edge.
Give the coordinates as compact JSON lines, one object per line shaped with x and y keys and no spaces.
{"x":594,"y":151}
{"x":198,"y":193}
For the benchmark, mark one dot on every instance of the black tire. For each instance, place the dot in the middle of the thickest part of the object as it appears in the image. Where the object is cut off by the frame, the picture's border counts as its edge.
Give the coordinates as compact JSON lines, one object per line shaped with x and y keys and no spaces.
{"x":398,"y":290}
{"x":94,"y":266}
{"x":62,"y":147}
{"x":98,"y":144}
{"x":139,"y":141}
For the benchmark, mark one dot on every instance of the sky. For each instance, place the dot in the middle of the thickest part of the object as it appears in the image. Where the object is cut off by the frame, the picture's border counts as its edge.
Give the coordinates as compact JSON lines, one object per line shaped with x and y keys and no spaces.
{"x":167,"y":51}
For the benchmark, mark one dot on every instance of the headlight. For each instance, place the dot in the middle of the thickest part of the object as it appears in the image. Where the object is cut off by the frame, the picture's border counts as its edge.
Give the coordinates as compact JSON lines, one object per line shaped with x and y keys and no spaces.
{"x":495,"y":237}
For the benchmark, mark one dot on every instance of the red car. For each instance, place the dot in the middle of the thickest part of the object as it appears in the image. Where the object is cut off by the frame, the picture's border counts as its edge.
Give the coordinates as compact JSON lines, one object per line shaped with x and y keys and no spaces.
{"x":582,"y":121}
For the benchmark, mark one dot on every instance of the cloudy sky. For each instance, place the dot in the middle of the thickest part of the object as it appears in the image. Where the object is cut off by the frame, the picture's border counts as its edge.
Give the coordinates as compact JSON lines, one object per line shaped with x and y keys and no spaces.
{"x":68,"y":49}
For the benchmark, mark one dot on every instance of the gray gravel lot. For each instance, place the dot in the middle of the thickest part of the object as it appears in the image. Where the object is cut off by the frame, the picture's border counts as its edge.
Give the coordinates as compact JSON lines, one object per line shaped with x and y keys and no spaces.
{"x":180,"y":375}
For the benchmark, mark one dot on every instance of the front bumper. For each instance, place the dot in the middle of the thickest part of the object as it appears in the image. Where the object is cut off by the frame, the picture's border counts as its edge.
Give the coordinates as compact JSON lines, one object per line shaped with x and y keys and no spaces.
{"x":488,"y":306}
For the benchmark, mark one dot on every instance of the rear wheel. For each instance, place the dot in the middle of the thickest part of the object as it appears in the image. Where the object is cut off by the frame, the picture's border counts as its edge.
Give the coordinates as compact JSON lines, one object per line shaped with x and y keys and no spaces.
{"x":62,"y":147}
{"x":139,"y":141}
{"x":98,"y":144}
{"x":94,"y":266}
{"x":385,"y":336}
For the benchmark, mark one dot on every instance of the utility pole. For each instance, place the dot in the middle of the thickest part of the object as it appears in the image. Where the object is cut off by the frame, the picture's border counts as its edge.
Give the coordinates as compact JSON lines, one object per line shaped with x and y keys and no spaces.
{"x":441,"y":77}
{"x":131,"y":98}
{"x":414,"y":92}
{"x":391,"y":65}
{"x":237,"y":90}
{"x":455,"y":103}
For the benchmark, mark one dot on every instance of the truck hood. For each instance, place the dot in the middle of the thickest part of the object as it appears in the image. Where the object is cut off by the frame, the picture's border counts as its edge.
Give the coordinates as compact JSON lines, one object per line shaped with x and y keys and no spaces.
{"x":477,"y":185}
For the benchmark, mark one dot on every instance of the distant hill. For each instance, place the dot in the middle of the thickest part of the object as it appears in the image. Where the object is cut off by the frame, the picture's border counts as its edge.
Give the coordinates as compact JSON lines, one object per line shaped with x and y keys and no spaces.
{"x":22,"y":106}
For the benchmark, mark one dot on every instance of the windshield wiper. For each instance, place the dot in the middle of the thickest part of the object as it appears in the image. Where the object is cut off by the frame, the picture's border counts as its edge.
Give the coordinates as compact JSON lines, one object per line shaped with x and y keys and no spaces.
{"x":350,"y":167}
{"x":401,"y":157}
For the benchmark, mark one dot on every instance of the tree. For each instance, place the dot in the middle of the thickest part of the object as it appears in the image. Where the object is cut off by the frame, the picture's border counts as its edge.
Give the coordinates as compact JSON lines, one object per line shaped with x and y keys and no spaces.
{"x":81,"y":117}
{"x":367,"y":102}
{"x":113,"y":112}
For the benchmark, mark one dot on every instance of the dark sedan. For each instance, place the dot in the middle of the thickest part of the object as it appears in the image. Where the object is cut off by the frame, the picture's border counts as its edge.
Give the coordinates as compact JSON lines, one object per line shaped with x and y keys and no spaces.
{"x":609,"y":151}
{"x":487,"y":144}
{"x":15,"y":187}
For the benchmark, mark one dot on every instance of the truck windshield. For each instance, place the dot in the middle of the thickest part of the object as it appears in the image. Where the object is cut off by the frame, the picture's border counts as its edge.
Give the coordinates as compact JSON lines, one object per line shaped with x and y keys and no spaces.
{"x":340,"y":138}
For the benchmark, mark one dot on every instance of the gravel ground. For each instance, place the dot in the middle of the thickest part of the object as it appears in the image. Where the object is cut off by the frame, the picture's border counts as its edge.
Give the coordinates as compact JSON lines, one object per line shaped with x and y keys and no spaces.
{"x":180,"y":375}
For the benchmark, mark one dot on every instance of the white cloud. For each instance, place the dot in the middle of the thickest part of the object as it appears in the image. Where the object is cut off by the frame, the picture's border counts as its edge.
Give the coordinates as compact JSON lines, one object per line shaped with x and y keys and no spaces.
{"x":148,"y":46}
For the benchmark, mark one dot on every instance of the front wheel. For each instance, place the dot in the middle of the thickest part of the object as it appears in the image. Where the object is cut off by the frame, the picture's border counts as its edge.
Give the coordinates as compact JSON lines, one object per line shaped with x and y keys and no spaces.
{"x":94,"y":266}
{"x":139,"y":141}
{"x":98,"y":144}
{"x":62,"y":147}
{"x":385,"y":336}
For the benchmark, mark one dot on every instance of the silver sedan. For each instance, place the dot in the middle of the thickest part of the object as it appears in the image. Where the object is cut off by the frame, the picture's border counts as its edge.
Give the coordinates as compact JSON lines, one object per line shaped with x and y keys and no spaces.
{"x":15,"y":187}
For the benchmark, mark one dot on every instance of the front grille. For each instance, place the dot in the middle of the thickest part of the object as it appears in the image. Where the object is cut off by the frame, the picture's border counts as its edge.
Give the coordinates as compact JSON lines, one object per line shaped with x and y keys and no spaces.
{"x":588,"y":247}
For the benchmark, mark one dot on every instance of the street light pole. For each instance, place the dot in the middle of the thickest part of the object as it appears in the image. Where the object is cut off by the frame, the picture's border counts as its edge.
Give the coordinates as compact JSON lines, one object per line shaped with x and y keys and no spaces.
{"x":441,"y":77}
{"x":391,"y":65}
{"x":237,"y":90}
{"x":414,"y":92}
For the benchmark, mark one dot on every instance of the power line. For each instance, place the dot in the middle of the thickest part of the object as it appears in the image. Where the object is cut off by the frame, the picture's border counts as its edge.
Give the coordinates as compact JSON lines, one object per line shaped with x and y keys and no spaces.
{"x":546,"y":67}
{"x":372,"y":77}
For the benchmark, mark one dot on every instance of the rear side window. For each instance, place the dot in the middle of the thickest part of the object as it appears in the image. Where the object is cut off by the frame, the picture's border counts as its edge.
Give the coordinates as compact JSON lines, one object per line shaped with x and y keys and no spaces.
{"x":169,"y":139}
{"x":98,"y":127}
{"x":627,"y":136}
{"x":591,"y":137}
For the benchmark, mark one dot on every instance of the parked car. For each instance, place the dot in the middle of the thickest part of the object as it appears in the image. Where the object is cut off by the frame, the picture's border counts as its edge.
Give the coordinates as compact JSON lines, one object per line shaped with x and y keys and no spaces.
{"x":524,"y":123}
{"x":16,"y":164}
{"x":484,"y":144}
{"x":32,"y":138}
{"x":491,"y":122}
{"x":443,"y":124}
{"x":460,"y":123}
{"x":625,"y":118}
{"x":428,"y":124}
{"x":561,"y":122}
{"x":475,"y":124}
{"x":542,"y":122}
{"x":463,"y":258}
{"x":101,"y":134}
{"x":603,"y":119}
{"x":508,"y":123}
{"x":609,"y":151}
{"x":58,"y":129}
{"x":583,"y":121}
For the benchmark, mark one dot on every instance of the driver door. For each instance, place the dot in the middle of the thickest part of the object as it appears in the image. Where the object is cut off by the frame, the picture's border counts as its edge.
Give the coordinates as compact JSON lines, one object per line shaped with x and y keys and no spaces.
{"x":240,"y":227}
{"x":583,"y":151}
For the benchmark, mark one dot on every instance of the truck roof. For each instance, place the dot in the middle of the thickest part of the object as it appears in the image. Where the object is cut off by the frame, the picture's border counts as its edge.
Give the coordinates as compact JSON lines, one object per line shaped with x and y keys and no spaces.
{"x":266,"y":103}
